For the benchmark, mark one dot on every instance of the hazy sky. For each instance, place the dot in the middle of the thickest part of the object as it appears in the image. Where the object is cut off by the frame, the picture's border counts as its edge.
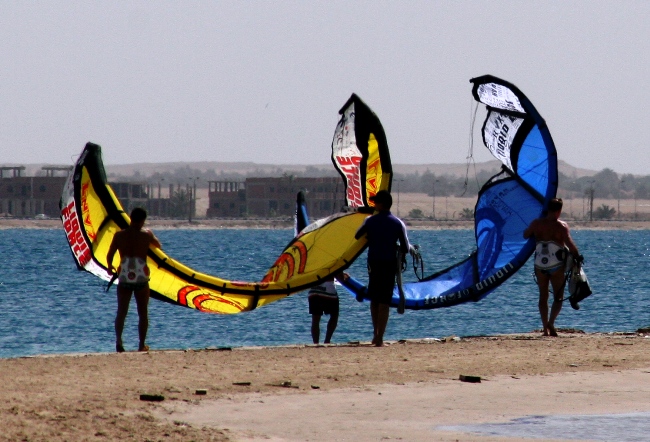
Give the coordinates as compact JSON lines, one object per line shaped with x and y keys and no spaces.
{"x":263,"y":81}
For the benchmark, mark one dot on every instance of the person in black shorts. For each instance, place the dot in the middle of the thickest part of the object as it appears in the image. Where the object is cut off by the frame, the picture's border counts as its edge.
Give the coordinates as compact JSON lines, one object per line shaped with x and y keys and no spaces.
{"x":384,"y":231}
{"x":323,"y":299}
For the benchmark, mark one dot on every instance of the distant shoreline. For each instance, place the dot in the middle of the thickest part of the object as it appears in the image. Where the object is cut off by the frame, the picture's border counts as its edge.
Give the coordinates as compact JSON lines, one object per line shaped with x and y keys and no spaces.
{"x":236,"y":223}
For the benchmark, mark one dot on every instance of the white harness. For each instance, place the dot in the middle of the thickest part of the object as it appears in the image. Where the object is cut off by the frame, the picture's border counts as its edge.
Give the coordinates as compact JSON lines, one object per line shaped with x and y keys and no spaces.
{"x":133,"y":271}
{"x":550,"y":256}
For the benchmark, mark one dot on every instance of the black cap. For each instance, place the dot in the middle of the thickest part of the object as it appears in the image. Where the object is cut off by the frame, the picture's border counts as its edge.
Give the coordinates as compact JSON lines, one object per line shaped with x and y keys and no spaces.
{"x":382,"y":197}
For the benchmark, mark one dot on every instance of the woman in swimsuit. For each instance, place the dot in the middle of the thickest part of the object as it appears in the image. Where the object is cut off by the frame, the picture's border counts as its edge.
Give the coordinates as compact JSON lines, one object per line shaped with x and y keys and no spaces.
{"x":553,"y":238}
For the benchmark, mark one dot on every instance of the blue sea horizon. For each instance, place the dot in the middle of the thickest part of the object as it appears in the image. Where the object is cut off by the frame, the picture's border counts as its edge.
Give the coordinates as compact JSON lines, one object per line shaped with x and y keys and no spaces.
{"x":49,"y":307}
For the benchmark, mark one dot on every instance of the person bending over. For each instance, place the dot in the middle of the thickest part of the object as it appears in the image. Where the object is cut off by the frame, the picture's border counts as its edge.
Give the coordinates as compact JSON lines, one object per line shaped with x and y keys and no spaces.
{"x":553,"y":239}
{"x":132,"y":244}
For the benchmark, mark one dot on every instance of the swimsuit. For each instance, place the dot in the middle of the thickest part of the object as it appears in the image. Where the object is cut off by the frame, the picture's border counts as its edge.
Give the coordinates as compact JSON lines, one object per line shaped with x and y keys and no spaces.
{"x":550,"y":257}
{"x":133,"y":273}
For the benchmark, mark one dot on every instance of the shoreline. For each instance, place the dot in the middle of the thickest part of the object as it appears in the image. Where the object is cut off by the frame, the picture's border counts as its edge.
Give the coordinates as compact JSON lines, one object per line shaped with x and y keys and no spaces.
{"x":277,"y":393}
{"x":643,"y":332}
{"x":236,"y":223}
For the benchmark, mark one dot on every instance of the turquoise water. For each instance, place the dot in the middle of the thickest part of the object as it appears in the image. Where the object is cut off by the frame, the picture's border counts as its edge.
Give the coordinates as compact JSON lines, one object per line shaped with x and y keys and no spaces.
{"x":47,"y":306}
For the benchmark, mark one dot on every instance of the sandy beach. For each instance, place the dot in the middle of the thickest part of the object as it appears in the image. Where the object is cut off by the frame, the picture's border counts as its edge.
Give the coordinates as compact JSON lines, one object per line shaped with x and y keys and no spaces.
{"x":404,"y":391}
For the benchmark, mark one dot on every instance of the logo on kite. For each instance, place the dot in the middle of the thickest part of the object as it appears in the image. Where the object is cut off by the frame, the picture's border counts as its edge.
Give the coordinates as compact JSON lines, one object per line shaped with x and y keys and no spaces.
{"x":293,"y":260}
{"x":198,"y":298}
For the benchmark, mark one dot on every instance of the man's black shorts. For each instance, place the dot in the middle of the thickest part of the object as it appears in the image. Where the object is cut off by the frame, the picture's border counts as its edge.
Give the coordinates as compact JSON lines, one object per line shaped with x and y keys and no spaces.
{"x":320,"y":305}
{"x":381,"y":275}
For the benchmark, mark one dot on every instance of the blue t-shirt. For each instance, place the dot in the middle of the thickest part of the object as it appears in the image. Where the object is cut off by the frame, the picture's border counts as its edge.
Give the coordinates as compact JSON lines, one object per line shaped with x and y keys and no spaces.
{"x":384,"y":230}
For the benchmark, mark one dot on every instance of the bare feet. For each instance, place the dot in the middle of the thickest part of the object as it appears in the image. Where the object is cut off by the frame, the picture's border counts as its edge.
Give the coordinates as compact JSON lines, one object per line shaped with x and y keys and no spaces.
{"x":119,"y":348}
{"x":551,"y":331}
{"x":143,"y":348}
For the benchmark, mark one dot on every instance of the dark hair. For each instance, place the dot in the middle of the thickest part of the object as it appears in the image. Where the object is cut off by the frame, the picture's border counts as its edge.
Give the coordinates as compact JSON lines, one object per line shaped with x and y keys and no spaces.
{"x":138,"y":215}
{"x":382,"y":197}
{"x":555,"y":204}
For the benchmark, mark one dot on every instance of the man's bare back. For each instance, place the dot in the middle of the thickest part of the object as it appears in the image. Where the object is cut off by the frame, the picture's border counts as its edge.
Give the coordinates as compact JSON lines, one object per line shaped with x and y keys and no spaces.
{"x":133,"y":243}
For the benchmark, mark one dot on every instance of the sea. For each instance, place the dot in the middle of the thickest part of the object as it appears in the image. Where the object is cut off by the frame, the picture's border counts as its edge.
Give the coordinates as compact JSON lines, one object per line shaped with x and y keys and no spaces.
{"x":47,"y":306}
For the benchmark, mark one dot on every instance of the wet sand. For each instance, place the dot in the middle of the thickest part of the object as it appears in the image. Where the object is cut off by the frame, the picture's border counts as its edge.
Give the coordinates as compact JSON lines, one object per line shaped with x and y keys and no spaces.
{"x":342,"y":392}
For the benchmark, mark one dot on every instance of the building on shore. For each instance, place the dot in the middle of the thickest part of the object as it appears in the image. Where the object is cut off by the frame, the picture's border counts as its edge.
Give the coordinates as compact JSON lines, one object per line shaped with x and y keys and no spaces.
{"x":23,"y":196}
{"x":132,"y":195}
{"x":274,"y":197}
{"x":227,"y":199}
{"x":39,"y":196}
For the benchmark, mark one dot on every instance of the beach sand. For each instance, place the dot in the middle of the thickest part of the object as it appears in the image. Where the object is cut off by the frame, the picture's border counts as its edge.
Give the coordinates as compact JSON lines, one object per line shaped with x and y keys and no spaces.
{"x":403,"y":391}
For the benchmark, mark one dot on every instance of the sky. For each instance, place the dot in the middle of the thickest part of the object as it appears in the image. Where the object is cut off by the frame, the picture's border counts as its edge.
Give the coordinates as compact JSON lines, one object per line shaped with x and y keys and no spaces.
{"x":263,"y":81}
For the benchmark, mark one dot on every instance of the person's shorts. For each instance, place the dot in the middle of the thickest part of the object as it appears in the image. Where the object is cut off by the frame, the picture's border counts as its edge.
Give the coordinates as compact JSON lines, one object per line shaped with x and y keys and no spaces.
{"x":323,"y":305}
{"x":381,"y":280}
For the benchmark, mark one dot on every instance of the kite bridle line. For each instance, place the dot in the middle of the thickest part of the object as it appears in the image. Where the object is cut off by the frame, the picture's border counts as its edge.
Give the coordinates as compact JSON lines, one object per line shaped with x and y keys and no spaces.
{"x":470,"y":150}
{"x":418,"y":262}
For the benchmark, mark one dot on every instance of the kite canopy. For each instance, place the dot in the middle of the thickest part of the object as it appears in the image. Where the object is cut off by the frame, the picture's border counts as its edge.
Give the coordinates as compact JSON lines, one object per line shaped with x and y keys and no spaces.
{"x":360,"y":153}
{"x":92,"y":214}
{"x":517,"y":135}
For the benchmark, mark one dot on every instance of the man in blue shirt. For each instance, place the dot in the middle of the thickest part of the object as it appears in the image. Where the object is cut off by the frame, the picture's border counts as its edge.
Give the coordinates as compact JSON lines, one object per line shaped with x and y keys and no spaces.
{"x":384,"y":231}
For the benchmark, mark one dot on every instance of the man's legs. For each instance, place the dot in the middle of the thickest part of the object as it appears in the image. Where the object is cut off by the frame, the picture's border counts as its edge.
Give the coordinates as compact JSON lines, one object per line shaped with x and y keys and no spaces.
{"x":380,"y":288}
{"x":331,"y":326}
{"x":123,"y":299}
{"x":542,"y":283}
{"x":383,"y":311}
{"x":374,"y":308}
{"x":315,"y":328}
{"x":558,"y":282}
{"x":142,"y":302}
